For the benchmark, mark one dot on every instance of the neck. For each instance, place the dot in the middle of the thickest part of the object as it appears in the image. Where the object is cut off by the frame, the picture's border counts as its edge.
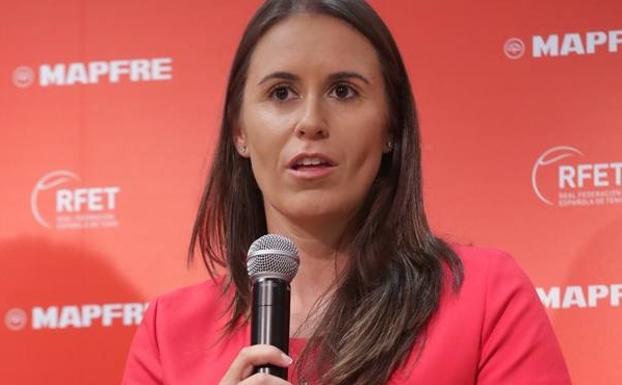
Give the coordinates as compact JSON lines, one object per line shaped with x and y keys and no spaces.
{"x":318,"y":246}
{"x":321,"y":262}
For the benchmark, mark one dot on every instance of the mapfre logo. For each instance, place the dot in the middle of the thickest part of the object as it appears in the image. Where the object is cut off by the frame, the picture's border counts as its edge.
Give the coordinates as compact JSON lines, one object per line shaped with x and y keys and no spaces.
{"x":562,"y":177}
{"x":76,"y":316}
{"x":94,"y":72}
{"x":59,"y":201}
{"x":567,"y":44}
{"x":575,"y":296}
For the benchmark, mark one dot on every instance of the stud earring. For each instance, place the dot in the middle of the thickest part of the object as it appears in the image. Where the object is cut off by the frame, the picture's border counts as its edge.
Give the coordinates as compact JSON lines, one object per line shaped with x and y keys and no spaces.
{"x":243,"y":149}
{"x":388,"y":146}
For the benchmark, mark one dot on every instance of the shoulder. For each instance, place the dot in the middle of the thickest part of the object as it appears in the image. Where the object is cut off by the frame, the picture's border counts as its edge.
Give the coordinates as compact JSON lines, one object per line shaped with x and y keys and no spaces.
{"x":188,"y":297}
{"x":175,"y":326}
{"x":484,"y":267}
{"x":182,"y":333}
{"x":180,"y":313}
{"x":479,"y":258}
{"x":495,"y":282}
{"x":499,"y":308}
{"x":494,"y":294}
{"x":517,"y":339}
{"x":493,"y":329}
{"x":492,"y":279}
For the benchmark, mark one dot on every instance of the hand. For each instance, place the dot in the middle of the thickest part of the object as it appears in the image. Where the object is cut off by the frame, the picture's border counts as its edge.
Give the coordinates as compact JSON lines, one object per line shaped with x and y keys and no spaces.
{"x":242,"y":366}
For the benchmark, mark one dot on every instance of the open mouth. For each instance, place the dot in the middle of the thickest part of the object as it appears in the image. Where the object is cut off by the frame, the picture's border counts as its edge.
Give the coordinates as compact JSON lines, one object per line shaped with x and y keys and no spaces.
{"x":310,"y":166}
{"x":311,"y":163}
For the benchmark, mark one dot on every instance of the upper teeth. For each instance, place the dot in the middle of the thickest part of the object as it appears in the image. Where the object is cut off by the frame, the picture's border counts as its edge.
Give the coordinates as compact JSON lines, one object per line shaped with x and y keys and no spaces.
{"x":310,"y":161}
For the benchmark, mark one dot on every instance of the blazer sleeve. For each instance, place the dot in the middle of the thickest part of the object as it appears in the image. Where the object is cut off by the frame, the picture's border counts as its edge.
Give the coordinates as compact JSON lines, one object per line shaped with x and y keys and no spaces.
{"x":143,"y":362}
{"x":518,"y":344}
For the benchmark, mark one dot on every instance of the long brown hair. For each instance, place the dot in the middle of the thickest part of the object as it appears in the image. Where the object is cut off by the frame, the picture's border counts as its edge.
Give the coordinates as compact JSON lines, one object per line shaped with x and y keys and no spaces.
{"x":392,"y":287}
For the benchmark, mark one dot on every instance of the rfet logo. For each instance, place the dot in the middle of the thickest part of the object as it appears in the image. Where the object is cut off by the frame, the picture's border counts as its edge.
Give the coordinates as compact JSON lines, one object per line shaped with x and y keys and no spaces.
{"x":94,"y":72}
{"x":562,"y":177}
{"x":566,"y":44}
{"x":59,"y":201}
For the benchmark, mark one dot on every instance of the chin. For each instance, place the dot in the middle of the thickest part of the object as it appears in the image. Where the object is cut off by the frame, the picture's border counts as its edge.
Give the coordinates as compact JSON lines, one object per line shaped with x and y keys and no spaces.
{"x":318,"y":208}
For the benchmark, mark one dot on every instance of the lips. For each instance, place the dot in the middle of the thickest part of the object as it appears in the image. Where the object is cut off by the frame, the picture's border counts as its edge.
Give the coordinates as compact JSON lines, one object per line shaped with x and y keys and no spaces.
{"x":311,"y":165}
{"x":310,"y":160}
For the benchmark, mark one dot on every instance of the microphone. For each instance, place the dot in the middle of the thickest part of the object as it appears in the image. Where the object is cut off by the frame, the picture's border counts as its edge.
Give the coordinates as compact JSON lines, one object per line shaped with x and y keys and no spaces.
{"x":272,"y":263}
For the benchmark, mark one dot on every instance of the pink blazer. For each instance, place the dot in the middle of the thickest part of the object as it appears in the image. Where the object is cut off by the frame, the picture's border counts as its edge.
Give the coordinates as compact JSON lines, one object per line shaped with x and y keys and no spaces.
{"x":494,"y":332}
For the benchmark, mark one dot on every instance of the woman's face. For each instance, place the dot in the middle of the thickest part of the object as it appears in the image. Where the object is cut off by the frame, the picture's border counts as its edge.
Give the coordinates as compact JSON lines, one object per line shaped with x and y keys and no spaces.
{"x":314,"y":118}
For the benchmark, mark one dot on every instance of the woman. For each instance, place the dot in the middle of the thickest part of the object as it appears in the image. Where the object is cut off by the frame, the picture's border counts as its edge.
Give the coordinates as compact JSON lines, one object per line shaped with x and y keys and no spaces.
{"x":320,"y":142}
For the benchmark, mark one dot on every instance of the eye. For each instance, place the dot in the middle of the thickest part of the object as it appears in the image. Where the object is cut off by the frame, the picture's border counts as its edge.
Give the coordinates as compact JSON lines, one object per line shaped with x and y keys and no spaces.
{"x":281,"y":93}
{"x":343,"y":91}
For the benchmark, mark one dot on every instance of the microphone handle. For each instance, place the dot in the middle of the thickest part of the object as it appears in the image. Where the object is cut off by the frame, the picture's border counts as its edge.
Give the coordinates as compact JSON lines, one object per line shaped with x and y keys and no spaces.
{"x":270,"y":319}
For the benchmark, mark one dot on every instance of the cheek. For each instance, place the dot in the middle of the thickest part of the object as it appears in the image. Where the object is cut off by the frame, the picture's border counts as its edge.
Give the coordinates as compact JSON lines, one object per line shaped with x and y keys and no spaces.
{"x":267,"y":133}
{"x":265,"y":129}
{"x":364,"y":145}
{"x":362,"y":172}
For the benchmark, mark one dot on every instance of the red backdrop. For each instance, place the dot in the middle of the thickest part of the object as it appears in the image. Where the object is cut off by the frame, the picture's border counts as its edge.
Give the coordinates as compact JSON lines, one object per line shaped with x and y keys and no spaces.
{"x":109,"y":112}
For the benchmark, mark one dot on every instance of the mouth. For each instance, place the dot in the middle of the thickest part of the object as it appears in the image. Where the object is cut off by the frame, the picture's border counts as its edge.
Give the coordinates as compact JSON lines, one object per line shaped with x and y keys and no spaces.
{"x":308,"y":166}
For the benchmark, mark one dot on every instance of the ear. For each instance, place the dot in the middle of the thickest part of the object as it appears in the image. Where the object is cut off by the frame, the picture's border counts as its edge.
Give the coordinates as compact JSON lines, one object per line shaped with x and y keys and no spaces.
{"x":387,"y":146}
{"x":239,"y":141}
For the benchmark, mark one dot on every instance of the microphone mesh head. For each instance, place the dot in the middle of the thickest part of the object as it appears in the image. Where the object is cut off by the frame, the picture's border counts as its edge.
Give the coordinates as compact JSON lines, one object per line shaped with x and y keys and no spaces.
{"x":272,"y":256}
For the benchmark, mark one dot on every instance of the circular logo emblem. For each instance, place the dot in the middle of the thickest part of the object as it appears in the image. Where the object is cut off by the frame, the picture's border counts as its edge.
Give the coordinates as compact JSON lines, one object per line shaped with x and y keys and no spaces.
{"x":550,"y":156}
{"x":514,"y":48}
{"x":23,"y":77}
{"x":15,"y":319}
{"x":47,"y":182}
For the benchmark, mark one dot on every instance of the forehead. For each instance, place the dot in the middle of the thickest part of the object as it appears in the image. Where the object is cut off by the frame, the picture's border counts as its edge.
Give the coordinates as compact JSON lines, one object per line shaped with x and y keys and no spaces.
{"x":310,"y":42}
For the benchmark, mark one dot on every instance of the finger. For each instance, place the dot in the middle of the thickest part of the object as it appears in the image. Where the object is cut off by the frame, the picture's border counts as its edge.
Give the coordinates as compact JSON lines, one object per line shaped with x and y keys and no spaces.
{"x":259,"y":355}
{"x":256,"y":355}
{"x":264,"y":379}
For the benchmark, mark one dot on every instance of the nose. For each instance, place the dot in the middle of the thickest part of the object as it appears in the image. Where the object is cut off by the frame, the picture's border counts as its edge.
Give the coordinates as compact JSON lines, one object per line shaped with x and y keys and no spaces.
{"x":312,"y":123}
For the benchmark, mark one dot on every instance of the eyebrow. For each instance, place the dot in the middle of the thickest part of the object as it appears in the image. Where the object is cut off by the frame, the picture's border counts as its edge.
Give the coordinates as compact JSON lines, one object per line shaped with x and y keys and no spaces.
{"x":332,"y":77}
